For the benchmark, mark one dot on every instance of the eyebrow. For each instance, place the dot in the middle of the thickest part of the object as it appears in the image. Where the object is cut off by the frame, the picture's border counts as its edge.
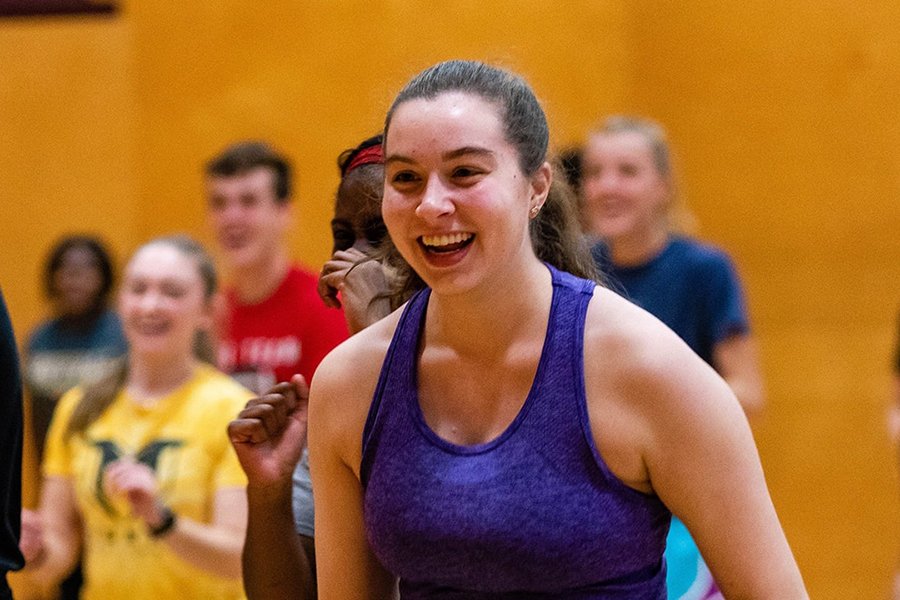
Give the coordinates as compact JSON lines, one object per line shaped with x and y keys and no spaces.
{"x":449,"y":155}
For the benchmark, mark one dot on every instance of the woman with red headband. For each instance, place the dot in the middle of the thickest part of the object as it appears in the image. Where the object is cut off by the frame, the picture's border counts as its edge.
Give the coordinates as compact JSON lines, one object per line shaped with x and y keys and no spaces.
{"x":351,"y":278}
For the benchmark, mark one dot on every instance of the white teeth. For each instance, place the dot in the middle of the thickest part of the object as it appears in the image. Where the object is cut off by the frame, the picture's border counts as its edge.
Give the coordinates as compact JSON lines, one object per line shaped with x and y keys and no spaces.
{"x":445,"y":240}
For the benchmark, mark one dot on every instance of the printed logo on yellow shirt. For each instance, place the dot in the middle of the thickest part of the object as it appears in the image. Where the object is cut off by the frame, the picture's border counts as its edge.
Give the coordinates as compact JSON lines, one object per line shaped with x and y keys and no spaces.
{"x":111,"y":452}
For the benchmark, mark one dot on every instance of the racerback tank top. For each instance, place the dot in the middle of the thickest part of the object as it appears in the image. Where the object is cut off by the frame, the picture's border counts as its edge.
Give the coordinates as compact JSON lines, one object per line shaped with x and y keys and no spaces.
{"x":535,"y":513}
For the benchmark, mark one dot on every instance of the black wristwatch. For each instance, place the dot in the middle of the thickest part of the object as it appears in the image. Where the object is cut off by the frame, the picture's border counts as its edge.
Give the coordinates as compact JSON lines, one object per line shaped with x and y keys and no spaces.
{"x":166,"y":525}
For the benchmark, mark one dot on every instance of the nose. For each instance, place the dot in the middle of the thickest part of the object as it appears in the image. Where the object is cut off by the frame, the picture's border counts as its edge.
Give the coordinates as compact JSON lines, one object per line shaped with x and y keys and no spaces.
{"x":150,"y":301}
{"x":608,"y":181}
{"x":436,"y":200}
{"x":228,"y":211}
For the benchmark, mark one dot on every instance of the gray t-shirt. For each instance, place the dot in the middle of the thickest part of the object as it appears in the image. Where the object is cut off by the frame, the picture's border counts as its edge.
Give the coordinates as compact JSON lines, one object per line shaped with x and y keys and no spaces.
{"x":302,"y":497}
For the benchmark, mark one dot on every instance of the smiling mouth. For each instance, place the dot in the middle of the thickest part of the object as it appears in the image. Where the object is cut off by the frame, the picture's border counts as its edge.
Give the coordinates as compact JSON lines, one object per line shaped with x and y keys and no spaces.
{"x":447,"y":242}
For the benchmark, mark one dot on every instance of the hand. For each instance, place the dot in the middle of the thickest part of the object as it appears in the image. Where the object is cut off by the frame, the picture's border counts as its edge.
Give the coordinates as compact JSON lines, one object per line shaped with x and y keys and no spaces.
{"x":31,"y":540}
{"x":136,"y":483}
{"x":360,"y":282}
{"x":270,"y":433}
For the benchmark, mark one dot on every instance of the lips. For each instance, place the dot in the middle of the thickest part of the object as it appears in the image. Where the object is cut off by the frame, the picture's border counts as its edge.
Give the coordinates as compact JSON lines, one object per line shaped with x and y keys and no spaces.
{"x":150,"y":328}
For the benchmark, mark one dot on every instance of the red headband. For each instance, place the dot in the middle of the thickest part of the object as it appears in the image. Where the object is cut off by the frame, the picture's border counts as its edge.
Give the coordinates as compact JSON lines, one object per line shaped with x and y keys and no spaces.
{"x":372,"y":155}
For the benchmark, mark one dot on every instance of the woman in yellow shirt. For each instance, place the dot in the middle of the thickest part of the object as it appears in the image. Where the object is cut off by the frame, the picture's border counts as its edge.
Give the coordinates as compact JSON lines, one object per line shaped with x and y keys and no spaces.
{"x":138,"y":473}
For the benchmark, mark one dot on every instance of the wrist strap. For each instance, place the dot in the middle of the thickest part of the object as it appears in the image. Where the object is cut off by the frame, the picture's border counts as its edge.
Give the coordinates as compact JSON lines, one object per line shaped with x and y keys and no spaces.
{"x":166,"y":525}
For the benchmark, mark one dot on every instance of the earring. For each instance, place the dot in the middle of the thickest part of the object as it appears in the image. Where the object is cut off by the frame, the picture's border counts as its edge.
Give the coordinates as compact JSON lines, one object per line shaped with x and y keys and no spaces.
{"x":534,"y":211}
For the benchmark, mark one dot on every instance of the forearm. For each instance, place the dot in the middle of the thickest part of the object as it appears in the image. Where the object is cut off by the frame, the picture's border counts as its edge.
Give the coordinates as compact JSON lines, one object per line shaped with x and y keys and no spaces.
{"x":215,"y":550}
{"x":274,"y":563}
{"x":53,"y":564}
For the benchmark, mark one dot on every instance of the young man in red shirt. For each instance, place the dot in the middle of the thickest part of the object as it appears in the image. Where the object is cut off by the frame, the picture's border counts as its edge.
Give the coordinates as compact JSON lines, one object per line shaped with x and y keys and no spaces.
{"x":275,"y":324}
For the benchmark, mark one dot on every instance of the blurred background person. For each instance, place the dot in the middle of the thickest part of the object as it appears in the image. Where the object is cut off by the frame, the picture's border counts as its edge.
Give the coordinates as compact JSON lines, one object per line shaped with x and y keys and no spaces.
{"x":630,"y":204}
{"x":274,"y":325}
{"x":358,"y":276}
{"x":138,"y":473}
{"x":82,"y":342}
{"x":894,"y":423}
{"x":10,"y":452}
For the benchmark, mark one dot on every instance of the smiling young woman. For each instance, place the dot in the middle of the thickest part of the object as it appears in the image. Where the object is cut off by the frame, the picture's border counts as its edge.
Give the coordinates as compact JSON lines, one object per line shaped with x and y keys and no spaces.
{"x":137,"y":472}
{"x":515,"y":431}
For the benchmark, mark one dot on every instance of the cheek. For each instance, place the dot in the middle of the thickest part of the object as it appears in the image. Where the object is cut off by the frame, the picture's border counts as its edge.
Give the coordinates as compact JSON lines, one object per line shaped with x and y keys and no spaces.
{"x":393,"y":215}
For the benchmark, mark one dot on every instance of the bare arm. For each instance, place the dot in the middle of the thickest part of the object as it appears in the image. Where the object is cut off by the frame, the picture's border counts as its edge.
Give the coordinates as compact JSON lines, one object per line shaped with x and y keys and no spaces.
{"x":274,"y":562}
{"x":666,"y":423}
{"x":269,"y":436}
{"x":715,"y":484}
{"x":214,"y":547}
{"x":736,"y":359}
{"x":51,"y":536}
{"x":338,"y":406}
{"x":894,"y":412}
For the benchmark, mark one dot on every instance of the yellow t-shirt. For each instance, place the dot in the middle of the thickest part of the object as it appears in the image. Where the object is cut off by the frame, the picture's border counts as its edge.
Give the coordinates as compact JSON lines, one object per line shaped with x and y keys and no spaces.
{"x":183,"y":439}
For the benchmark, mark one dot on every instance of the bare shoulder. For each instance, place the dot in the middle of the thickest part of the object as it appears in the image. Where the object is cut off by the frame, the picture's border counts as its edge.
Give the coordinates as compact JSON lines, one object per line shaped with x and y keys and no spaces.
{"x":647,"y":391}
{"x":630,"y":349}
{"x":344,"y":384}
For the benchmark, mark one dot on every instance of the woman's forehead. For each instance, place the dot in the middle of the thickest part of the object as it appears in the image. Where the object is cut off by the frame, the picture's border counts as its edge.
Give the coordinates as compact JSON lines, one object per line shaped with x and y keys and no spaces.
{"x":162,"y":260}
{"x":450,"y":118}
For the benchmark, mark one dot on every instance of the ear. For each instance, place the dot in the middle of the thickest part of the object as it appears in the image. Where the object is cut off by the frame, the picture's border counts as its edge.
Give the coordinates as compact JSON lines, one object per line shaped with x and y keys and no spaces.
{"x":540,"y":187}
{"x":214,"y":312}
{"x":287,"y":214}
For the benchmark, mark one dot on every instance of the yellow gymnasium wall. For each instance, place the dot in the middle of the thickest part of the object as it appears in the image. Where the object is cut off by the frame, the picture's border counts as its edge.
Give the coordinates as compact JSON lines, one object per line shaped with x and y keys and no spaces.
{"x":782,"y":118}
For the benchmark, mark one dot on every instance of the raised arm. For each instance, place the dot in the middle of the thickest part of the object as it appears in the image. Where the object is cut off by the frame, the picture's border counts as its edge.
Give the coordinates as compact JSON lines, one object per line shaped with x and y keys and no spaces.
{"x":269,"y":436}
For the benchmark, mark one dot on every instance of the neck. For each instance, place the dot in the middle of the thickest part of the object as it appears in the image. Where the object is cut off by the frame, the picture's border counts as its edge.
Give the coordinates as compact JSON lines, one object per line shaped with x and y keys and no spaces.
{"x":637,"y":249}
{"x":150,"y":379}
{"x":82,"y":320}
{"x":484,"y":322}
{"x":255,"y":283}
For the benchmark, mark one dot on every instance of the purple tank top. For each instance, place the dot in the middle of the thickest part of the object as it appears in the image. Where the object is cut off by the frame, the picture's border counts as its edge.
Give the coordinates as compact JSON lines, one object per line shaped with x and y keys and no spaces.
{"x":532,"y":514}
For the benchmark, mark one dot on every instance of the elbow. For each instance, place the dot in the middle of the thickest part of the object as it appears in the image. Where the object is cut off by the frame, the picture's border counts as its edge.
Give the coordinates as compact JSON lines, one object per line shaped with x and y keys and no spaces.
{"x":753,"y":403}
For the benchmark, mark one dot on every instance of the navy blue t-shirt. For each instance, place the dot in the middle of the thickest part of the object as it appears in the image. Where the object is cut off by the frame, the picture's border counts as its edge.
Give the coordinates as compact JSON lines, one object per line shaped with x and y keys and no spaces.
{"x":691,"y":287}
{"x":61,"y":356}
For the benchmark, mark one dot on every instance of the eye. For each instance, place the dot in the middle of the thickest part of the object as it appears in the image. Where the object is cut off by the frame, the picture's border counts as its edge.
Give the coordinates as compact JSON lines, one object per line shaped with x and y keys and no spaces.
{"x":629,"y":170}
{"x":217,"y":203}
{"x":343,"y":238}
{"x":249,"y":200}
{"x":404,"y":178}
{"x":376,"y":232}
{"x":174,"y":290}
{"x":592,"y":171}
{"x":136,"y":287}
{"x":466,"y":172}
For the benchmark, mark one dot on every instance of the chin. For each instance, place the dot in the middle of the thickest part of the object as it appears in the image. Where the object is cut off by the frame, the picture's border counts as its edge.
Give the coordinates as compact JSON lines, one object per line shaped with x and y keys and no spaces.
{"x":610,"y":230}
{"x":243,"y":258}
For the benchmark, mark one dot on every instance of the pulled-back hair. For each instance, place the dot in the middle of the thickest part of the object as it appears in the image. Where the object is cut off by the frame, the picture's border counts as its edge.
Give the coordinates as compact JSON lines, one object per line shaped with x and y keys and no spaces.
{"x":98,"y":397}
{"x":555,"y":232}
{"x":242,"y":157}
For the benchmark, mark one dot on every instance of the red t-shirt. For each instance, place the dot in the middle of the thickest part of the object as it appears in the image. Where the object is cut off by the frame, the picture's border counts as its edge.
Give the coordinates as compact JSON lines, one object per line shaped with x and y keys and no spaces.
{"x":289,"y":332}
